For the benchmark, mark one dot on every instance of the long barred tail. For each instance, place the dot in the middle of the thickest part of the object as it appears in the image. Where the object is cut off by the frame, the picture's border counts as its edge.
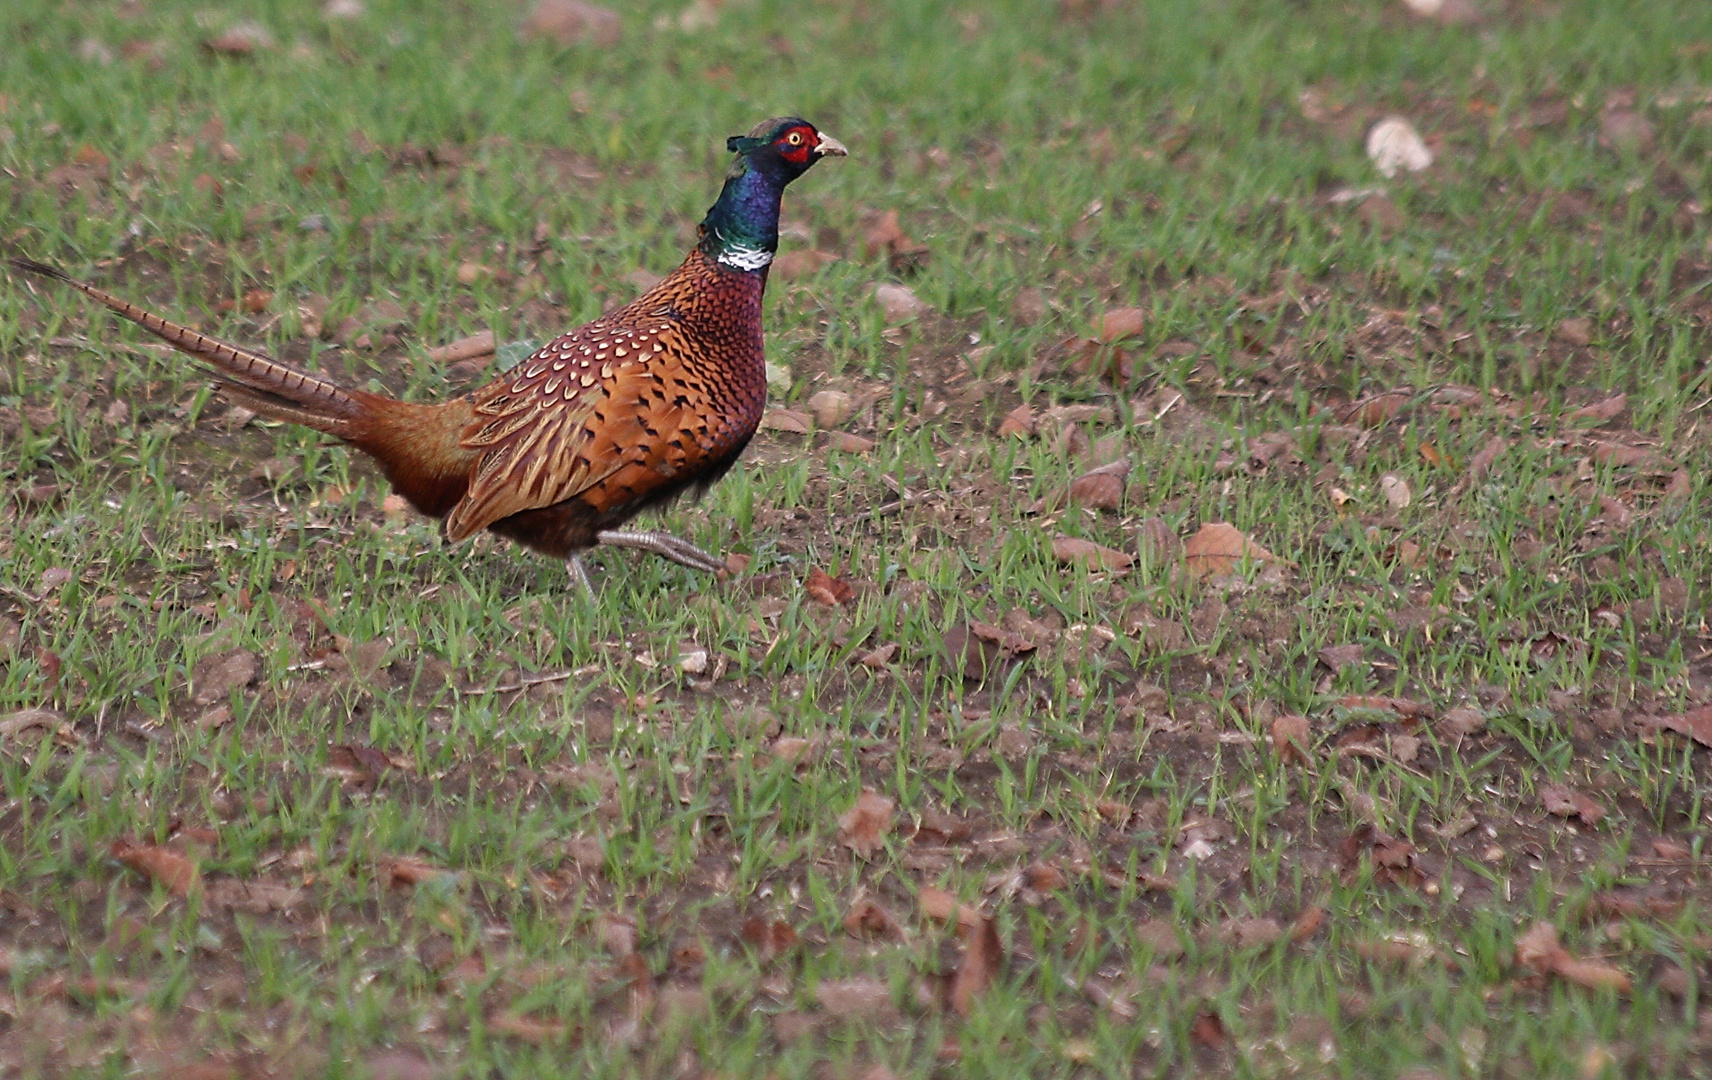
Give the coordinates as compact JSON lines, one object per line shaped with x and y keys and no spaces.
{"x":253,"y":378}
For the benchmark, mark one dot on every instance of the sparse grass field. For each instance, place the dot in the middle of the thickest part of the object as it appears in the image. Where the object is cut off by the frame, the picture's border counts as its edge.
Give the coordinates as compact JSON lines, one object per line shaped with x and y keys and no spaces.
{"x":288,"y":787}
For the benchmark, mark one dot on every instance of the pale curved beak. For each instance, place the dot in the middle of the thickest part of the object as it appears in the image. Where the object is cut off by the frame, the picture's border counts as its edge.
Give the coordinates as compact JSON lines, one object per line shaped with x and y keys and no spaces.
{"x":829,"y":147}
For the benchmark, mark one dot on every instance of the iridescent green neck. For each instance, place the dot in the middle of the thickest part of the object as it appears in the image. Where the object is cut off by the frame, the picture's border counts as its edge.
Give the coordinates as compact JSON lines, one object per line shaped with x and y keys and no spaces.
{"x":741,"y":230}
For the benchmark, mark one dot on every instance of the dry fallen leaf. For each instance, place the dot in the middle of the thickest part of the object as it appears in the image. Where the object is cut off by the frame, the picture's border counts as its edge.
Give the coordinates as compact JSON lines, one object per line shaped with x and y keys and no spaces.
{"x":572,"y":22}
{"x":1539,"y":949}
{"x":463,"y":349}
{"x":173,"y":869}
{"x":1308,"y":923}
{"x":216,"y":676}
{"x":1695,"y":723}
{"x":410,"y":870}
{"x":1119,"y":323}
{"x":1562,"y":800}
{"x":530,"y":1030}
{"x":983,"y":957}
{"x":787,"y":420}
{"x":1219,"y":548}
{"x":1290,"y":738}
{"x":831,"y":408}
{"x":1074,"y":551}
{"x":823,"y":588}
{"x":887,"y":237}
{"x":1395,"y":146}
{"x":1396,"y":491}
{"x":863,"y":827}
{"x":899,"y":302}
{"x":768,"y":937}
{"x":944,"y":907}
{"x":242,"y":39}
{"x":868,"y":919}
{"x":1101,"y":488}
{"x":1485,"y":456}
{"x":1018,"y":423}
{"x":16,"y":725}
{"x":855,"y":998}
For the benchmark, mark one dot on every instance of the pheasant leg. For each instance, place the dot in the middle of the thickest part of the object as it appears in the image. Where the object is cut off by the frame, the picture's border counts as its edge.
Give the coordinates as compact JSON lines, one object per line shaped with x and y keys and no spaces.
{"x":666,"y":546}
{"x":579,"y":574}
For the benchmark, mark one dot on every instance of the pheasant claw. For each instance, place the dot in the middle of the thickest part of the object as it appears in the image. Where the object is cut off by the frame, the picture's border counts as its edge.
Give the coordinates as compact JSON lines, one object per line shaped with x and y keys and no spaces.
{"x":666,"y":546}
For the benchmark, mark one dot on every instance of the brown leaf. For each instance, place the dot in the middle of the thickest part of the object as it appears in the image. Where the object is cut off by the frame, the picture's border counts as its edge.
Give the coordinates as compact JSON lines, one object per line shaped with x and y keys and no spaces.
{"x":1624,"y":129}
{"x":1029,"y":307}
{"x":572,"y":22}
{"x":1101,"y":488}
{"x":1623,"y":456}
{"x":1119,"y":323}
{"x":214,"y":677}
{"x":880,"y":658}
{"x":1154,"y":540}
{"x":846,"y":443}
{"x":1218,"y":549}
{"x":260,"y":897}
{"x":1208,"y":1030}
{"x":1594,"y":975}
{"x":45,"y":721}
{"x":868,"y":919}
{"x":860,"y":997}
{"x":617,"y":934}
{"x":831,"y":408}
{"x":463,"y":349}
{"x":527,"y":1028}
{"x":1073,"y":551}
{"x":787,"y":420}
{"x":1250,"y":931}
{"x":400,"y":1063}
{"x":1376,"y":411}
{"x":944,"y":907}
{"x":1018,"y":423}
{"x":1396,"y":491}
{"x":1578,"y":332}
{"x":1393,"y":859}
{"x":242,"y":39}
{"x":1485,"y":456}
{"x":1539,"y":949}
{"x":173,"y":869}
{"x":1695,"y":723}
{"x":410,"y":871}
{"x":800,"y":263}
{"x":1565,"y":801}
{"x":1601,"y":411}
{"x":768,"y":937}
{"x":1307,"y":924}
{"x":864,"y":826}
{"x":899,"y":302}
{"x":823,"y":588}
{"x":983,"y":958}
{"x":356,"y":765}
{"x":887,"y":237}
{"x":1290,"y":738}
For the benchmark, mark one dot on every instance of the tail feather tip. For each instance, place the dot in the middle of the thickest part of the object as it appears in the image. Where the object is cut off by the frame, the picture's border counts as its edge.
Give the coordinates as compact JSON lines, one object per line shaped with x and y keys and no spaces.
{"x":19,"y":262}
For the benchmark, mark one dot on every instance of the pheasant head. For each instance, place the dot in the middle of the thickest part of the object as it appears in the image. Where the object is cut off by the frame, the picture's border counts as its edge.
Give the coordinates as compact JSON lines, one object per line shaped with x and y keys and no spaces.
{"x":741,"y":230}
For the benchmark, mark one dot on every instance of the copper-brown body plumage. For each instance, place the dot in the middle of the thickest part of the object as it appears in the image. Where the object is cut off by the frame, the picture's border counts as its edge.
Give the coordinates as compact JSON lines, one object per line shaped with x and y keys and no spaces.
{"x":619,"y":415}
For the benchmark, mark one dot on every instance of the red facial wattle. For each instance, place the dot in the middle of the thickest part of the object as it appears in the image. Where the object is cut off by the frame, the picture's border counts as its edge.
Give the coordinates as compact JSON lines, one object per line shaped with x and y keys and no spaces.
{"x":798,"y":153}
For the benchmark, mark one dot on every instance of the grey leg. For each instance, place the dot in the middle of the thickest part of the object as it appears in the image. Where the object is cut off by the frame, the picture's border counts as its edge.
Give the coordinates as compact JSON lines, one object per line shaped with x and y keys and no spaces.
{"x":664,"y":545}
{"x":579,"y":574}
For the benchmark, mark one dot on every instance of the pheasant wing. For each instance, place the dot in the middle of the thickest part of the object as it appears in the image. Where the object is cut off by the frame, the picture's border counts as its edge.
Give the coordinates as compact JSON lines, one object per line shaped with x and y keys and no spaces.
{"x":564,"y":420}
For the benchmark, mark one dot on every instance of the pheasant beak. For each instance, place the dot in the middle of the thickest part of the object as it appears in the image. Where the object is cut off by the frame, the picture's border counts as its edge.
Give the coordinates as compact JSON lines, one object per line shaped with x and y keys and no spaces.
{"x":829,"y":147}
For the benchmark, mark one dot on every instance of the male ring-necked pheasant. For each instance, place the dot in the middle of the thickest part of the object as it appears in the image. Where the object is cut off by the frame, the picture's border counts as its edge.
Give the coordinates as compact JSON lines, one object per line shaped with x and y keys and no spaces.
{"x":617,"y":416}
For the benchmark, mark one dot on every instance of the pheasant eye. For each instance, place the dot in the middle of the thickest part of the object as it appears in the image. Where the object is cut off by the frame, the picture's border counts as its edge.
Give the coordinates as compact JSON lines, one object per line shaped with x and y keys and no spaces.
{"x":795,"y":138}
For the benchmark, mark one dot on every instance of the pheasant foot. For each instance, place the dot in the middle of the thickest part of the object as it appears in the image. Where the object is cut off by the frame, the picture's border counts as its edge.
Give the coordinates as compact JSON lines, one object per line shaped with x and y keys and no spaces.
{"x":666,"y":546}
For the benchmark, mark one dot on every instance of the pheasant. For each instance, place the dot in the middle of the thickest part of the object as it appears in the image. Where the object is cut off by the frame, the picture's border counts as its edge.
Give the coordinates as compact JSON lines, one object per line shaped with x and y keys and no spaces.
{"x":618,"y":416}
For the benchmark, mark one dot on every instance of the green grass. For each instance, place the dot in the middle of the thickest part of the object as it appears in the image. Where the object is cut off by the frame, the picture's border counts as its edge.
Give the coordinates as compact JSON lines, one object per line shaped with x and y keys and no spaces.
{"x":571,"y":779}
